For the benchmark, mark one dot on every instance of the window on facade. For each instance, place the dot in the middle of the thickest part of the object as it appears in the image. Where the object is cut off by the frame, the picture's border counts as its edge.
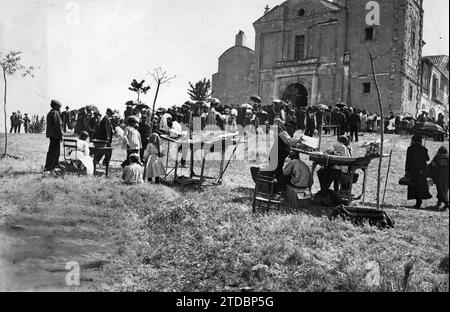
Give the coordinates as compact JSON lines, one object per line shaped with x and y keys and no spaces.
{"x":410,"y":93}
{"x":413,"y":39}
{"x":369,"y":33}
{"x":366,"y":87}
{"x":299,"y":47}
{"x":435,"y":87}
{"x":301,"y":12}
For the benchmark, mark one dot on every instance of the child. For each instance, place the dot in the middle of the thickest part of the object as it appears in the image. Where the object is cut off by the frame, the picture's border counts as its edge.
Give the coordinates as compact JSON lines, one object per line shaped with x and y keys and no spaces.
{"x":299,"y":171}
{"x":439,"y":172}
{"x":133,"y":138}
{"x":154,"y":167}
{"x":133,"y":173}
{"x":82,"y":153}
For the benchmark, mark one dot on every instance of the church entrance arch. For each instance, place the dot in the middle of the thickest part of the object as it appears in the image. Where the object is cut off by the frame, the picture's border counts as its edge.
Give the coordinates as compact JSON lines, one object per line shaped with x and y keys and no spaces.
{"x":296,"y":94}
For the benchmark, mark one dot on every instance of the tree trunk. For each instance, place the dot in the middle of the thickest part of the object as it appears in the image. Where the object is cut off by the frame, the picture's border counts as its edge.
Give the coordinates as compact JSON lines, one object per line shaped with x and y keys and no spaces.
{"x":4,"y":111}
{"x":382,"y":130}
{"x":154,"y":104}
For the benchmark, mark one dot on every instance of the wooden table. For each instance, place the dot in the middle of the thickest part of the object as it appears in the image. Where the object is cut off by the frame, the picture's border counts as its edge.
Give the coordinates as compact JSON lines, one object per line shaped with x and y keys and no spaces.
{"x":209,"y":145}
{"x":353,"y":165}
{"x":98,"y":153}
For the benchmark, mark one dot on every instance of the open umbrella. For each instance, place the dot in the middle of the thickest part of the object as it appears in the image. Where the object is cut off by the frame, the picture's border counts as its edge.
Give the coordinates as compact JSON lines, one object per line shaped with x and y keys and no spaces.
{"x":341,"y":105}
{"x":263,"y":113}
{"x":322,"y":106}
{"x":428,"y":129}
{"x":93,"y":109}
{"x":256,"y":99}
{"x":132,"y":118}
{"x":246,"y":106}
{"x":142,"y":106}
{"x":130,"y":103}
{"x":214,"y":101}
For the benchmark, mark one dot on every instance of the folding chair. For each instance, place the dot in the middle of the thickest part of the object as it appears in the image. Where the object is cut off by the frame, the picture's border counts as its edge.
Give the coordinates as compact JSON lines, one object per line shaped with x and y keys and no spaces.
{"x":69,"y":146}
{"x":264,"y":195}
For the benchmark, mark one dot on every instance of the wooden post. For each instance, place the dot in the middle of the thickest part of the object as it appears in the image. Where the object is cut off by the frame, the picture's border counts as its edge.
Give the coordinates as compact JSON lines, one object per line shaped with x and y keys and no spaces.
{"x":4,"y":111}
{"x":387,"y":177}
{"x":380,"y":102}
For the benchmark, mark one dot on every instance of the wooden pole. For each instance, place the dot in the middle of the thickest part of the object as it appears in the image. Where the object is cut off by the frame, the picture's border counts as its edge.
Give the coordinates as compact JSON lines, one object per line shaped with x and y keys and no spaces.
{"x":4,"y":111}
{"x":387,"y":177}
{"x":380,"y":102}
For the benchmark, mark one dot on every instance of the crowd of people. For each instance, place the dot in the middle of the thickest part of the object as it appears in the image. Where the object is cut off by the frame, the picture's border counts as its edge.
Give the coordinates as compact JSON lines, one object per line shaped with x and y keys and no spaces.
{"x":17,"y":120}
{"x":140,"y":130}
{"x":341,"y":119}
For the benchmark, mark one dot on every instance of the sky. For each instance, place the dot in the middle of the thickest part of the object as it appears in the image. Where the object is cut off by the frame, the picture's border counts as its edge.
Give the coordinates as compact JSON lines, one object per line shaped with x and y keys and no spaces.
{"x":89,"y":51}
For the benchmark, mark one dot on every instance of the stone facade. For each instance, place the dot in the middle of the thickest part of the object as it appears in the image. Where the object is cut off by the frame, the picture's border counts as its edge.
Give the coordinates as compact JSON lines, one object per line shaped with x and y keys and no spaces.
{"x":435,"y":85}
{"x":310,"y":52}
{"x":233,"y":83}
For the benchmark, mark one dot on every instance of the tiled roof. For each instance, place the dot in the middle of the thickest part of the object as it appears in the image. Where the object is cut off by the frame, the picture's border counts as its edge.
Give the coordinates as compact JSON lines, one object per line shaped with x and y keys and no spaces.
{"x":440,"y":61}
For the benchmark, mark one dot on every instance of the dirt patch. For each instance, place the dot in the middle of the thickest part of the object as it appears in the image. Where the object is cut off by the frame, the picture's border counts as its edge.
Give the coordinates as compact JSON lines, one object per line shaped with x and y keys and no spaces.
{"x":34,"y":253}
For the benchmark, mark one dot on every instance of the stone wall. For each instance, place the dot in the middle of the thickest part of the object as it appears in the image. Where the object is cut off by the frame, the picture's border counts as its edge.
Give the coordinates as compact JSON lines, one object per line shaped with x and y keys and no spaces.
{"x":331,"y":32}
{"x":233,"y":83}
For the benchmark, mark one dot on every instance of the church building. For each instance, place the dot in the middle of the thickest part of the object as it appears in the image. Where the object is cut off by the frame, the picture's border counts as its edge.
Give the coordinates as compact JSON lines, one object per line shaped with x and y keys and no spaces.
{"x":310,"y":52}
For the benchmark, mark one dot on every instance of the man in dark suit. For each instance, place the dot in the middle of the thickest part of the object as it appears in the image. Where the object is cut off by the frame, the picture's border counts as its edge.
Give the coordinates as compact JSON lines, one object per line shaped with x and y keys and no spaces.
{"x":13,"y":120}
{"x":54,"y":133}
{"x":66,"y":119}
{"x":354,"y":121}
{"x":105,"y":133}
{"x":19,"y":121}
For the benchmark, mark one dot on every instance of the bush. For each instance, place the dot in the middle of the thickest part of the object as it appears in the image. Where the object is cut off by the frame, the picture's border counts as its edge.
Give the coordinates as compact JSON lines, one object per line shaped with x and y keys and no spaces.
{"x":37,"y":125}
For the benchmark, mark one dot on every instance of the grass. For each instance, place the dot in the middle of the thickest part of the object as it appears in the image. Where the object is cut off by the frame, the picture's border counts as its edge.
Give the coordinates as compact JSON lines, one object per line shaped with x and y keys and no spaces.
{"x":161,"y":238}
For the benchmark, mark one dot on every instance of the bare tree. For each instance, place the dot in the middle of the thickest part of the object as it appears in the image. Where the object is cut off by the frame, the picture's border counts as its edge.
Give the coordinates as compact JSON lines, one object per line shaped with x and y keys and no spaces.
{"x":10,"y":65}
{"x":160,"y":78}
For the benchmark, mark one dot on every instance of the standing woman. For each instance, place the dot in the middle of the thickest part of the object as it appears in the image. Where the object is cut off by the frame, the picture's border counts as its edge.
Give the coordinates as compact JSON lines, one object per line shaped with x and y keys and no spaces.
{"x":154,"y":167}
{"x":417,"y":170}
{"x":439,"y":172}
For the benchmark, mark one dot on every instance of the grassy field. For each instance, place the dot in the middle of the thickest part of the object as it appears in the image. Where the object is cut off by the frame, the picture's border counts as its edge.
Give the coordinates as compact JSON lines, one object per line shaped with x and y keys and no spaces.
{"x":162,"y":238}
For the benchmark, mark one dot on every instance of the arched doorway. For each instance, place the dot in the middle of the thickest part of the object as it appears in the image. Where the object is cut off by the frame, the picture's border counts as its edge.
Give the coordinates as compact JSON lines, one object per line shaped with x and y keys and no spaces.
{"x":296,"y":94}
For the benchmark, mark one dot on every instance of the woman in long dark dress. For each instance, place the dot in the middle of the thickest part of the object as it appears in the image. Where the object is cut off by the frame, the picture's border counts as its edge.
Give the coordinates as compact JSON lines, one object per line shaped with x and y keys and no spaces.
{"x":417,"y":170}
{"x":439,"y":171}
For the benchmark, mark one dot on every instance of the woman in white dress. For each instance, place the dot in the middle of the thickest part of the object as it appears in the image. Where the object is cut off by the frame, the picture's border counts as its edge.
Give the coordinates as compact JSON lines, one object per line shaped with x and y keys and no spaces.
{"x":154,"y":167}
{"x":82,"y":153}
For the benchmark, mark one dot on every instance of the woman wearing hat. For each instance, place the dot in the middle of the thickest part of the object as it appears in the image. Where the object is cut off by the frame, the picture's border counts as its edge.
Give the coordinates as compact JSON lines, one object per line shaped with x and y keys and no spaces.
{"x":54,"y":132}
{"x":82,"y":153}
{"x":439,"y":172}
{"x":417,"y":171}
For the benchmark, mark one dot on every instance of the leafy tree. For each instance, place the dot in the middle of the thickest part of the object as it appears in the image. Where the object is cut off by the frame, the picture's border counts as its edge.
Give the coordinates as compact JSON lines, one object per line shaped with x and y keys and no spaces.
{"x":37,"y":124}
{"x":201,"y":91}
{"x":10,"y":66}
{"x":139,"y":88}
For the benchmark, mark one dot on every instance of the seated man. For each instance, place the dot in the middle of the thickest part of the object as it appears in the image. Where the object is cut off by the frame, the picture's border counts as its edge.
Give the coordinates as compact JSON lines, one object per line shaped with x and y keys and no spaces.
{"x":333,"y":174}
{"x":298,"y":170}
